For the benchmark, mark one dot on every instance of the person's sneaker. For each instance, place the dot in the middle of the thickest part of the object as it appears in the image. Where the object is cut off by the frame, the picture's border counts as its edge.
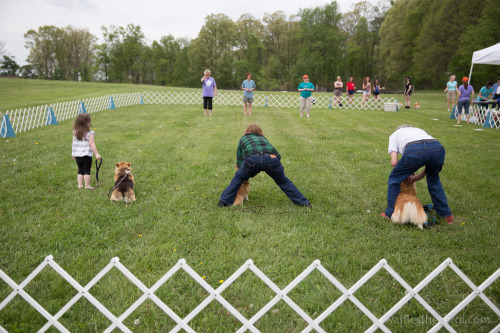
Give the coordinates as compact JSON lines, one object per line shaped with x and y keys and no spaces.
{"x":301,"y":115}
{"x":223,"y":204}
{"x":307,"y":116}
{"x":384,"y":216}
{"x":449,"y":219}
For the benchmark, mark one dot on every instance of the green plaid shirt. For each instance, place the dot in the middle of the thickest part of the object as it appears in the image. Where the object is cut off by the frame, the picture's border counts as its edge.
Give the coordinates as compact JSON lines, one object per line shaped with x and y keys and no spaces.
{"x":253,"y":144}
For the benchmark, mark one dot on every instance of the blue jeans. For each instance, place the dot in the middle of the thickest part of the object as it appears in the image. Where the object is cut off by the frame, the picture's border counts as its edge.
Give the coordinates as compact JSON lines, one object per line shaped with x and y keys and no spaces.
{"x":430,"y":155}
{"x":254,"y":164}
{"x":463,"y":104}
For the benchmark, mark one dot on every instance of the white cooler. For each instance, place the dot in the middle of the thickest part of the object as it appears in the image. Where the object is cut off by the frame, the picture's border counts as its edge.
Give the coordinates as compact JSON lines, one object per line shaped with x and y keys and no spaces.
{"x":391,"y":106}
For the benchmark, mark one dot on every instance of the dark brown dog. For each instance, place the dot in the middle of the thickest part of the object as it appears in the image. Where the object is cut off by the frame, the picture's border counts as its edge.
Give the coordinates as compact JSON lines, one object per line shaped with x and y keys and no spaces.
{"x":124,"y":187}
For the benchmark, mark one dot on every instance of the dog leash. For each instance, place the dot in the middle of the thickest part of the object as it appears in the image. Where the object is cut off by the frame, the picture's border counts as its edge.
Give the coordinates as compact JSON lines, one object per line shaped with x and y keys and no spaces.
{"x":116,"y":186}
{"x":431,"y":220}
{"x":97,"y":168}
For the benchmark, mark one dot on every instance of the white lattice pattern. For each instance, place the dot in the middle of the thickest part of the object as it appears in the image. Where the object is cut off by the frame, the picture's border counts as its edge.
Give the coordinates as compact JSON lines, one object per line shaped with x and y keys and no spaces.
{"x":480,"y":115}
{"x":248,"y":324}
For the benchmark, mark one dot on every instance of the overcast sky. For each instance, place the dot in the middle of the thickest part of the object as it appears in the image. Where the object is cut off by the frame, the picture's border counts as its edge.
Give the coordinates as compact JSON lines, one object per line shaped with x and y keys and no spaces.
{"x":182,"y":18}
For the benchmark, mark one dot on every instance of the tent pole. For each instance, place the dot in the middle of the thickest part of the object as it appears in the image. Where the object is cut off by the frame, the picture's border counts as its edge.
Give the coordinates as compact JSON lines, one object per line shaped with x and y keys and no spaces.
{"x":470,"y":74}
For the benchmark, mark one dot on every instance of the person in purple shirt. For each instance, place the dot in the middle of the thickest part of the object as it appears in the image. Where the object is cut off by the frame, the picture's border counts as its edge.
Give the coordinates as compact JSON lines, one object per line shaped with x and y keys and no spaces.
{"x":464,"y":98}
{"x":209,"y":90}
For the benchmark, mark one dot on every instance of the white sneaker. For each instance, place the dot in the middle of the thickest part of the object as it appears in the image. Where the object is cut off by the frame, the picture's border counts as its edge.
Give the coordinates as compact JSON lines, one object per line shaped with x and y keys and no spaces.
{"x":307,"y":116}
{"x":301,"y":115}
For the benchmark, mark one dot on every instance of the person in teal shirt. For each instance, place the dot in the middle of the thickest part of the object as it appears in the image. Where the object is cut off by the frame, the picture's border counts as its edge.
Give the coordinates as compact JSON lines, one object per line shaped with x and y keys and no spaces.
{"x":305,"y":89}
{"x":248,"y":86}
{"x":484,"y":94}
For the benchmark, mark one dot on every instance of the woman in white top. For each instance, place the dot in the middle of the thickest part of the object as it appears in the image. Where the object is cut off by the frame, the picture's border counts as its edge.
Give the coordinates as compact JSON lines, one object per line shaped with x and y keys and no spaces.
{"x":367,"y":89}
{"x":337,"y":92}
{"x":83,"y":147}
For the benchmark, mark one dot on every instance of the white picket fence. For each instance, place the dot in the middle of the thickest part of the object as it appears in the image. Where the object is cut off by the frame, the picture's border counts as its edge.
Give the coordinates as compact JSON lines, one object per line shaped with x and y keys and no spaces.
{"x":248,"y":323}
{"x":481,"y":115}
{"x":33,"y":117}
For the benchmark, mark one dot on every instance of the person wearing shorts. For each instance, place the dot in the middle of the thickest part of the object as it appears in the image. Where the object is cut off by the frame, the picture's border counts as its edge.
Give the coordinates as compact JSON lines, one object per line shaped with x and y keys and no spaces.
{"x":337,"y":91}
{"x":465,"y":96}
{"x":248,"y":86}
{"x":209,"y":90}
{"x":351,"y":88}
{"x":367,"y":89}
{"x":451,"y":91}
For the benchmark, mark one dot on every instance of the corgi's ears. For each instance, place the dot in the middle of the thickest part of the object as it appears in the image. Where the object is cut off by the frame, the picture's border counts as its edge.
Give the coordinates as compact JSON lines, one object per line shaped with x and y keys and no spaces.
{"x":116,"y":164}
{"x":128,"y":164}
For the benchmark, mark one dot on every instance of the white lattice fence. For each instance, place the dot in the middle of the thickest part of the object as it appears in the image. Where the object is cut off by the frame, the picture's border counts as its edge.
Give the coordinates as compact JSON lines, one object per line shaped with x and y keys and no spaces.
{"x":272,"y":100}
{"x":248,"y":323}
{"x":127,"y":99}
{"x":479,"y":115}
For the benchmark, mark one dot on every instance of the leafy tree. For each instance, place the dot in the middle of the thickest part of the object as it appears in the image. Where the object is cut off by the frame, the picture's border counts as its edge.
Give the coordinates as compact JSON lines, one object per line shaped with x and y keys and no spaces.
{"x":9,"y":66}
{"x":213,"y":49}
{"x":322,"y":45}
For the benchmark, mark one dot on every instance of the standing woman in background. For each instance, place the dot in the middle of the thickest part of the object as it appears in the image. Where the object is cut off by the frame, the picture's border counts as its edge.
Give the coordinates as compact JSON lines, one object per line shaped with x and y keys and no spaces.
{"x":209,"y":90}
{"x":376,"y":91}
{"x":337,"y":92}
{"x":465,"y":96}
{"x":367,"y":89}
{"x":350,"y":89}
{"x":451,"y":91}
{"x":408,"y":91}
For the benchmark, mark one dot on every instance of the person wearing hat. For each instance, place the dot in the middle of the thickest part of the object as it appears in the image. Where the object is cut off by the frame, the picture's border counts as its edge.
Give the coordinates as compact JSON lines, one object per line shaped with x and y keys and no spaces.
{"x":465,"y":95}
{"x":305,"y":89}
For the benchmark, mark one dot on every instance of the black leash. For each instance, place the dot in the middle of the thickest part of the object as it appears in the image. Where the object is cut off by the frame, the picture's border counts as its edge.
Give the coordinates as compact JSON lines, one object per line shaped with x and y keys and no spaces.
{"x":97,"y":167}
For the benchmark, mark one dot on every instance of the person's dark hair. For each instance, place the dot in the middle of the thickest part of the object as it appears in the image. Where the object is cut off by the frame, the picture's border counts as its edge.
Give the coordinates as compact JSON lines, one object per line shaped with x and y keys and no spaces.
{"x":489,"y":83}
{"x":408,"y":78}
{"x":82,"y":125}
{"x":376,"y":82}
{"x":498,"y":78}
{"x":466,"y":84}
{"x":248,"y":74}
{"x":253,"y":129}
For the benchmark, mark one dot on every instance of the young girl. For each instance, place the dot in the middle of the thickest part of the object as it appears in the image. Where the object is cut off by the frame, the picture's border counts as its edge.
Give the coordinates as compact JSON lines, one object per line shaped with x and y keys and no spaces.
{"x":376,"y":91}
{"x":367,"y":89}
{"x":408,"y":91}
{"x":338,"y":85}
{"x":82,"y":148}
{"x":350,"y":87}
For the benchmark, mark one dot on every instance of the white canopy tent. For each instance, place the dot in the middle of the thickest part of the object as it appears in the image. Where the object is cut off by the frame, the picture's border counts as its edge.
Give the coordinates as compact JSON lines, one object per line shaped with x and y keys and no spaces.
{"x":487,"y":56}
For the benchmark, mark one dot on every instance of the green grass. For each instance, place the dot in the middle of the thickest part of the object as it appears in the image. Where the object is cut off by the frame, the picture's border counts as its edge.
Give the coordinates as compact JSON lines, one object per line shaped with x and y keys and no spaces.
{"x":182,"y":161}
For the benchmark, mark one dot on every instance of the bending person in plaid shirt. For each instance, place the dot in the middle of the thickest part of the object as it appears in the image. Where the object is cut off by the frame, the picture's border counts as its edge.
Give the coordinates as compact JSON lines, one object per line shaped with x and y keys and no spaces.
{"x":256,"y":154}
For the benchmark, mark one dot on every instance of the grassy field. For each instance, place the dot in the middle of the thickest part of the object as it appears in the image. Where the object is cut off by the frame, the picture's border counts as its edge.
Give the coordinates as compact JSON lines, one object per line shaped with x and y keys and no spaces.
{"x":182,"y":161}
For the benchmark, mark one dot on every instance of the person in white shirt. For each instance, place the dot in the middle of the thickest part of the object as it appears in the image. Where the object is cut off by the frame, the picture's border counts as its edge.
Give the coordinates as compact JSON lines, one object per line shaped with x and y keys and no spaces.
{"x":418,"y":149}
{"x":83,"y":147}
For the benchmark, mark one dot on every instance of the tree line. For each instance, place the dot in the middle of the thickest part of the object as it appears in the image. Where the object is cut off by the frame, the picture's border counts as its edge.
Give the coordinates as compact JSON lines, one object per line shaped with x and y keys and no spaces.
{"x":426,"y":39}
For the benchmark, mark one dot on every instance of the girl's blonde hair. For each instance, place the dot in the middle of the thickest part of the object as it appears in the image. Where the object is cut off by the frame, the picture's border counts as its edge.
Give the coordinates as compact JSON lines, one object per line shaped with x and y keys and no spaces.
{"x":253,"y":129}
{"x":81,"y":126}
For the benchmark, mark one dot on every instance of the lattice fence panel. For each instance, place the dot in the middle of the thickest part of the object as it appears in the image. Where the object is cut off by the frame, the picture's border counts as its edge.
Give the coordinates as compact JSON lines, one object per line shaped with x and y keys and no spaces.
{"x":479,"y":115}
{"x":127,"y":99}
{"x":248,"y":324}
{"x":96,"y":104}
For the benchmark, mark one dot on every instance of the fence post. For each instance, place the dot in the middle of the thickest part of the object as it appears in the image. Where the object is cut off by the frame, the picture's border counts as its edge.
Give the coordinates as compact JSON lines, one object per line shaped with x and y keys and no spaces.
{"x":111,"y":103}
{"x":82,"y":108}
{"x":6,"y":130}
{"x":487,"y":120}
{"x":51,"y":118}
{"x":453,"y":115}
{"x":266,"y":102}
{"x":330,"y":105}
